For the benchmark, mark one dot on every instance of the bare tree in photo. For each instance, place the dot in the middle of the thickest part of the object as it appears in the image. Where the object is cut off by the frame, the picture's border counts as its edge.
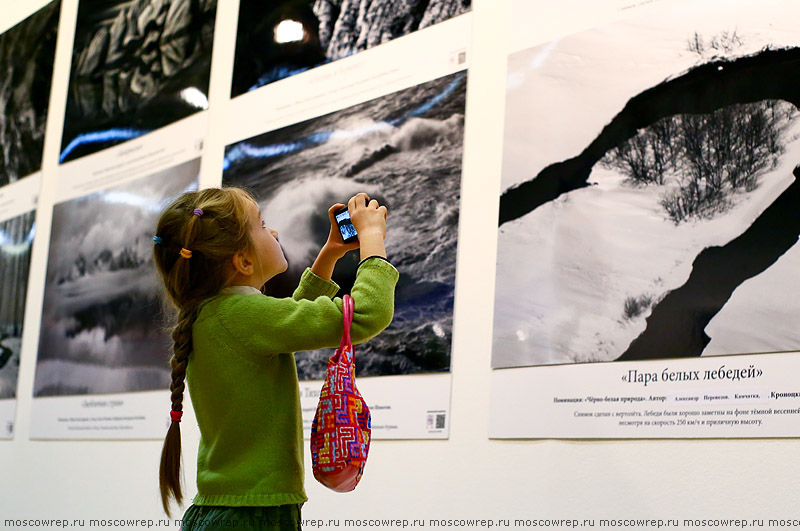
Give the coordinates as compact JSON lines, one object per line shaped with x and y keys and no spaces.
{"x":725,"y":42}
{"x":648,"y":156}
{"x":706,"y":158}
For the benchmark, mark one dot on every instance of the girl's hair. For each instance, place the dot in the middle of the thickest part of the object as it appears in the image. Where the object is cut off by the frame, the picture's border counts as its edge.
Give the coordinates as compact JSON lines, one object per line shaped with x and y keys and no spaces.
{"x":213,"y":234}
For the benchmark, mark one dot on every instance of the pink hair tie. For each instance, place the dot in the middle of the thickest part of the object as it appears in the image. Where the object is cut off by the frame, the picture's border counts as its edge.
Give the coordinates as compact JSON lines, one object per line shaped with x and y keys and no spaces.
{"x":198,"y":212}
{"x":176,"y":415}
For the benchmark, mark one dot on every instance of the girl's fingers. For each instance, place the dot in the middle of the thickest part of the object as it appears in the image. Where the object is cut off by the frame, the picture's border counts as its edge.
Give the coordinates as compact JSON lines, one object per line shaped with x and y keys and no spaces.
{"x":373,"y":204}
{"x":385,"y":211}
{"x":358,"y":200}
{"x":332,"y":212}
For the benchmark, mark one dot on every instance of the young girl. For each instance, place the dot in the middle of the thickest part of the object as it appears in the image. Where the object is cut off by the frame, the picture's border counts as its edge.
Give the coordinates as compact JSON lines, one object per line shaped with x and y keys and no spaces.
{"x":234,"y":347}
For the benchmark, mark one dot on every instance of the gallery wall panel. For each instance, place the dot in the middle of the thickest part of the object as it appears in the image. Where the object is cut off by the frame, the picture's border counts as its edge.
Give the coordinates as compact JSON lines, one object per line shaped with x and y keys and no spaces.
{"x":649,"y":213}
{"x":104,"y":346}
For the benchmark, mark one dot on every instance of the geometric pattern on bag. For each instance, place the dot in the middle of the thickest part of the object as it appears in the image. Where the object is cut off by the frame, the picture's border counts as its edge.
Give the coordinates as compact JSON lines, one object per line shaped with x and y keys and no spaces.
{"x":340,"y":432}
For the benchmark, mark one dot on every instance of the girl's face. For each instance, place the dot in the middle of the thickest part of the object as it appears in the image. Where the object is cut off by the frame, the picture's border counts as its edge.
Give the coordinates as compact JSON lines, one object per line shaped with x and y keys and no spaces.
{"x":269,"y":259}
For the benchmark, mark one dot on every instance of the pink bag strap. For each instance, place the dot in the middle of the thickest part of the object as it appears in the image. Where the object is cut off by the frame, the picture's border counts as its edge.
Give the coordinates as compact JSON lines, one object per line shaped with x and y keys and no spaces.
{"x":348,"y":307}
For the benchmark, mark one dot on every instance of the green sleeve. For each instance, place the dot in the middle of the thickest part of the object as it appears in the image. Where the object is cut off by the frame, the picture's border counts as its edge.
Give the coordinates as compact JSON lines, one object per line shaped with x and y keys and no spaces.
{"x":266,"y":325}
{"x":312,"y":286}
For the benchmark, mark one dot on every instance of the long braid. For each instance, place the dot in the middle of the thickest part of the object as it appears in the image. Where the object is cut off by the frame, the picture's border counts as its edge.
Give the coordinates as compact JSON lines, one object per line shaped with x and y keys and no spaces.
{"x":170,"y":471}
{"x":182,"y":336}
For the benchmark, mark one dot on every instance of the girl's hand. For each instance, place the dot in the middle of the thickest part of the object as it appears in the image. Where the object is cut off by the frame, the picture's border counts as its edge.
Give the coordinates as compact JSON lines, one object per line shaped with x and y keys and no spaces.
{"x":335,"y":244}
{"x":368,"y":217}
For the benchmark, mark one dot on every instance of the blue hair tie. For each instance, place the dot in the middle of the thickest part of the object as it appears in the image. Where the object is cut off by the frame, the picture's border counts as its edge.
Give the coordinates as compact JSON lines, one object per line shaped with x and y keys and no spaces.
{"x":197,"y":212}
{"x":157,"y":240}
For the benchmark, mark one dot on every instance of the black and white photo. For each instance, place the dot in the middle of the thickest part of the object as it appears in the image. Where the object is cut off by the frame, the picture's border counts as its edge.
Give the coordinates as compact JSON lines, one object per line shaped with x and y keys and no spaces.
{"x":16,"y":241}
{"x":650,"y":190}
{"x":27,"y":54}
{"x":103,"y":330}
{"x":281,"y":38}
{"x":136,"y":66}
{"x":405,"y":150}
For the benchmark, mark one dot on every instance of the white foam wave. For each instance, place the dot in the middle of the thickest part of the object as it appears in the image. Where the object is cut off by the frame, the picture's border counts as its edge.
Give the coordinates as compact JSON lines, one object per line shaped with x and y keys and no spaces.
{"x":290,"y":210}
{"x":417,"y":133}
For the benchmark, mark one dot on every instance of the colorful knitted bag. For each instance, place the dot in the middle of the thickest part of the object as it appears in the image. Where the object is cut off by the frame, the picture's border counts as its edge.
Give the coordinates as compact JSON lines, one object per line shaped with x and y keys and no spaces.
{"x":340,"y":433}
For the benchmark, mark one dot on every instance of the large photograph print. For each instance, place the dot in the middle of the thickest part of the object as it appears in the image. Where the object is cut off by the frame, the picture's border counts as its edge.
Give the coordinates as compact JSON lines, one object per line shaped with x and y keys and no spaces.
{"x":16,"y":240}
{"x":136,"y":66}
{"x":27,"y":53}
{"x":651,"y":204}
{"x":403,"y":149}
{"x":281,"y":38}
{"x":102,"y":326}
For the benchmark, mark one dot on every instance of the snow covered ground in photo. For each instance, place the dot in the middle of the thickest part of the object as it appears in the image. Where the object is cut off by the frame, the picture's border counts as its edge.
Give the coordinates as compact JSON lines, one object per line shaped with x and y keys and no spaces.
{"x":572,"y":264}
{"x":566,"y":269}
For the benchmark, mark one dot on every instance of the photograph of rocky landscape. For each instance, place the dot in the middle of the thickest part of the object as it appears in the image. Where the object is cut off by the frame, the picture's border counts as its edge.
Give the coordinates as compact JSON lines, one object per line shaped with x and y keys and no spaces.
{"x":27,"y":53}
{"x":136,"y":66}
{"x":321,"y":31}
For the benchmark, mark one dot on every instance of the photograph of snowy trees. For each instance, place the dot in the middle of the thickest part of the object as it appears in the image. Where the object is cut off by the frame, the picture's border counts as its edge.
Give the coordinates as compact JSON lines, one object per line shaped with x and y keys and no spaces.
{"x":655,"y":213}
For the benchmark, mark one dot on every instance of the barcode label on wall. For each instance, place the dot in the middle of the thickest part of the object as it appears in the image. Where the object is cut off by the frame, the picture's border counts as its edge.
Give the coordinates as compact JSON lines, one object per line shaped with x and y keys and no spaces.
{"x":436,"y":421}
{"x":458,"y":57}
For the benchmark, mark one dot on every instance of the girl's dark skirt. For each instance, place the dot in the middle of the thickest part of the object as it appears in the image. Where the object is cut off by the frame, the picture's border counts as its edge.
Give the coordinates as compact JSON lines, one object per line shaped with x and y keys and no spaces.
{"x":208,"y":517}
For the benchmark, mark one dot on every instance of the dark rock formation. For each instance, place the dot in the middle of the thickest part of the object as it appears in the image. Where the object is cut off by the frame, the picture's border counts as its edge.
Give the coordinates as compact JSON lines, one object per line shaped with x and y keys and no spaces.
{"x":333,"y":29}
{"x":147,"y":43}
{"x":27,"y":52}
{"x":349,"y":26}
{"x":439,"y":10}
{"x":130,"y":53}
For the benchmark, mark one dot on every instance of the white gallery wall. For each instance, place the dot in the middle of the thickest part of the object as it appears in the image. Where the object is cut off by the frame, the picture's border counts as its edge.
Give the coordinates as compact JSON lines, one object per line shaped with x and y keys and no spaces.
{"x":467,"y":476}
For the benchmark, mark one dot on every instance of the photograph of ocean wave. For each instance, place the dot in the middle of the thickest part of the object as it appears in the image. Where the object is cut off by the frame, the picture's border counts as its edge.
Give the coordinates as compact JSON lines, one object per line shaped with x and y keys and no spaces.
{"x":103,"y":330}
{"x":27,"y":53}
{"x":281,"y":38}
{"x":403,"y":149}
{"x":16,"y":241}
{"x":650,"y":204}
{"x":136,"y":66}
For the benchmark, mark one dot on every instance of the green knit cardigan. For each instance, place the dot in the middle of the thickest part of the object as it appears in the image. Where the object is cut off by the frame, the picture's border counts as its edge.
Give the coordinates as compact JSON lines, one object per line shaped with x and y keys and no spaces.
{"x":243,"y":382}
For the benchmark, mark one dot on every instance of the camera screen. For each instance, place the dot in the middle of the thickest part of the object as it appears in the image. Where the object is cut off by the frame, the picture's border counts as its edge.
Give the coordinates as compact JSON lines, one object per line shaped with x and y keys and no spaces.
{"x":345,"y":226}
